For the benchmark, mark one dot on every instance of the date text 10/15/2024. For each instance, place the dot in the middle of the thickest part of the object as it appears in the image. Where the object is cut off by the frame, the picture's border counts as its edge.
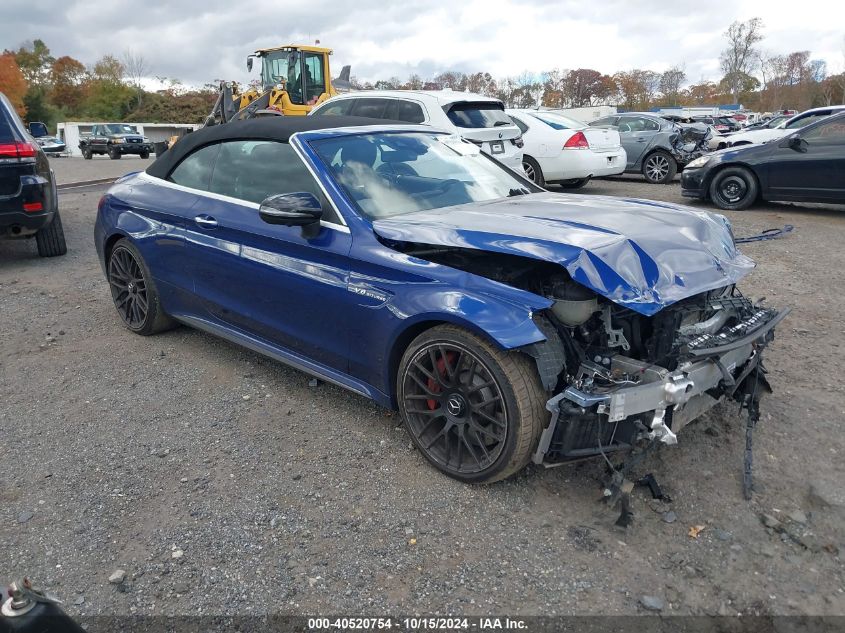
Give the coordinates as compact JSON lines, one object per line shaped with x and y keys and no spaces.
{"x":417,"y":624}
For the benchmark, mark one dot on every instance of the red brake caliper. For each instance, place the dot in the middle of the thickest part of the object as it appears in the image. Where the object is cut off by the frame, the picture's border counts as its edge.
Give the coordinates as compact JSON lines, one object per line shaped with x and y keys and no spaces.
{"x":433,"y":385}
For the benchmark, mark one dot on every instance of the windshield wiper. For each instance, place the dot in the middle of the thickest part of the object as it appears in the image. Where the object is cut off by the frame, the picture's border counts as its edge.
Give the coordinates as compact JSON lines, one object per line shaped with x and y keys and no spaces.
{"x":501,"y":123}
{"x":518,"y":192}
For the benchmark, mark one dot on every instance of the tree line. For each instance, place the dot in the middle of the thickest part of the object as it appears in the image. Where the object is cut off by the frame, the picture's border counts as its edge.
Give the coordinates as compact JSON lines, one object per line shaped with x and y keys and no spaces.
{"x":753,"y":76}
{"x":50,"y":89}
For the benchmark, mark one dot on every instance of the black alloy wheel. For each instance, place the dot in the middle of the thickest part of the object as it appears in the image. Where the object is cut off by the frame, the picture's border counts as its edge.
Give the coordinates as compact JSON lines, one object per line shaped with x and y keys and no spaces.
{"x":474,"y":410}
{"x":455,"y":408}
{"x":128,"y":288}
{"x":134,"y":292}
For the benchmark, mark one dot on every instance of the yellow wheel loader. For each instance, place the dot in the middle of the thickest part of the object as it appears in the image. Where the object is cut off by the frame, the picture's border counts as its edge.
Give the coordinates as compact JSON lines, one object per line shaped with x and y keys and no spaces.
{"x":294,"y":79}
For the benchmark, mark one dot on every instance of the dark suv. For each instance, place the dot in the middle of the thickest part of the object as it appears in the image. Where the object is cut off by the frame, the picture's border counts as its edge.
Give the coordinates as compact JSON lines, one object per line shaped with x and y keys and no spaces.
{"x":115,"y":139}
{"x":28,"y":201}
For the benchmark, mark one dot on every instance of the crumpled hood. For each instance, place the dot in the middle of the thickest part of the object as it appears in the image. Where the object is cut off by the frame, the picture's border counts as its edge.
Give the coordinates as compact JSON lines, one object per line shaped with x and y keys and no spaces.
{"x":640,"y":254}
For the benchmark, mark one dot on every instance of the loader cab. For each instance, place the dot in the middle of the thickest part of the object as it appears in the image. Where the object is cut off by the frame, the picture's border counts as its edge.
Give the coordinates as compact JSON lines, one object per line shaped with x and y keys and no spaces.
{"x":299,"y":76}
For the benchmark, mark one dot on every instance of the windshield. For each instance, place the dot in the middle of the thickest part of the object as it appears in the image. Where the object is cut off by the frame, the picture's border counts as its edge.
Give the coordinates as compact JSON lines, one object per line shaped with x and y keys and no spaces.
{"x":388,"y":174}
{"x":558,"y":121}
{"x":279,"y":67}
{"x":795,"y":124}
{"x":121,"y":128}
{"x":478,"y":115}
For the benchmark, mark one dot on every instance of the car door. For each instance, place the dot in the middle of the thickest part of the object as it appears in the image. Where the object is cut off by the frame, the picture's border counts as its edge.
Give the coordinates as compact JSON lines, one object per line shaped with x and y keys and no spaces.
{"x":266,"y":280}
{"x":98,"y":139}
{"x":810,"y":164}
{"x":167,"y":206}
{"x":636,"y":134}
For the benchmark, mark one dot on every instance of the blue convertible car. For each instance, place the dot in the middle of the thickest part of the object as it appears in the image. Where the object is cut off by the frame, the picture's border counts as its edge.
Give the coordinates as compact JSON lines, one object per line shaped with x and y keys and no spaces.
{"x":507,"y":324}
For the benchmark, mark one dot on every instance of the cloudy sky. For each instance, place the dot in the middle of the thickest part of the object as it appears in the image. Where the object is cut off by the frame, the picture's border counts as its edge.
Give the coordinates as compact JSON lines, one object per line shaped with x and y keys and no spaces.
{"x":199,"y":41}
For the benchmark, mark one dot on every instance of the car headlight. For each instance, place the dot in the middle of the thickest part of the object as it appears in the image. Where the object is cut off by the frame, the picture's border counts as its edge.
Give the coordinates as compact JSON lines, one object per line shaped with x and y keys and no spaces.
{"x":145,"y":139}
{"x":117,"y":140}
{"x":701,"y":161}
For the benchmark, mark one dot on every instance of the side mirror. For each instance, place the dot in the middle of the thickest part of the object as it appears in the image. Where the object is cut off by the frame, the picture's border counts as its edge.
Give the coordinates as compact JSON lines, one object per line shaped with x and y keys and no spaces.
{"x":249,"y":63}
{"x":797,"y":143}
{"x":293,"y":209}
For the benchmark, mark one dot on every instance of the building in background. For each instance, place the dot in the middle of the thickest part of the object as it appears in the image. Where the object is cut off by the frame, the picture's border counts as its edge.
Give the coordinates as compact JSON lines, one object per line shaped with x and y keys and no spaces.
{"x":71,"y":131}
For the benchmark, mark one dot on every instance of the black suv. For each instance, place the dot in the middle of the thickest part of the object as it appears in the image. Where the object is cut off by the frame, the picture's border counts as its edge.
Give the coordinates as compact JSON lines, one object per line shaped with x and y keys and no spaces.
{"x":28,"y":201}
{"x":115,"y":139}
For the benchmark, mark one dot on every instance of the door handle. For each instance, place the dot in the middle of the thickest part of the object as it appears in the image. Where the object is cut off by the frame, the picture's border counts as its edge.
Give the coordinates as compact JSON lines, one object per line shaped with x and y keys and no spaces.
{"x":641,"y":140}
{"x":206,"y":221}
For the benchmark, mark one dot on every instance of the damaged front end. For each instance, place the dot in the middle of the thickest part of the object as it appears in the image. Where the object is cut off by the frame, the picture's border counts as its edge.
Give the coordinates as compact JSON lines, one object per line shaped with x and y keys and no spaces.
{"x":689,"y":142}
{"x":645,"y":328}
{"x":629,"y":378}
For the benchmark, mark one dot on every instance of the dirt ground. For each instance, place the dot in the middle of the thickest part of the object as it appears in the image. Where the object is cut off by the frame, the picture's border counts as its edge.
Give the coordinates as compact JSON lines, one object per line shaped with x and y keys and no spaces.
{"x":221,"y":482}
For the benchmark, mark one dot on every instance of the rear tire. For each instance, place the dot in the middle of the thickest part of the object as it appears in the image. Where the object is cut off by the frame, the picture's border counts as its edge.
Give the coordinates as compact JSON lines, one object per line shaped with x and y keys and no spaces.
{"x":659,"y":168}
{"x":114,"y":154}
{"x":577,"y":183}
{"x":533,"y":171}
{"x":134,"y":292}
{"x":734,"y":188}
{"x":474,"y":411}
{"x":51,"y":238}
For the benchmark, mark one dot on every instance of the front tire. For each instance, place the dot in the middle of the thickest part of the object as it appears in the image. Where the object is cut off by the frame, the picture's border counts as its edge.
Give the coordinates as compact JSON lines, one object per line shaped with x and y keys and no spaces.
{"x":145,"y":155}
{"x":734,"y":188}
{"x":474,"y":411}
{"x":659,"y":168}
{"x":533,"y":171}
{"x":134,"y":292}
{"x":51,"y":238}
{"x":87,"y":154}
{"x":114,"y":154}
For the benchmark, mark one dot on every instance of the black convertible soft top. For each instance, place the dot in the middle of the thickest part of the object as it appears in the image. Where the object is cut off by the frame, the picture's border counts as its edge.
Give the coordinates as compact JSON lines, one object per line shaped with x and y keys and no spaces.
{"x":269,"y":128}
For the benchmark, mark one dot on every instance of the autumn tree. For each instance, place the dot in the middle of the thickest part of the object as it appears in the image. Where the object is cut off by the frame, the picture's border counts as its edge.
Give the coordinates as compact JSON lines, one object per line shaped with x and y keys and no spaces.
{"x":12,"y":82}
{"x":67,"y":83}
{"x":670,"y":84}
{"x":107,"y":96}
{"x":34,"y":60}
{"x":414,"y":82}
{"x":637,"y":88}
{"x":553,"y":88}
{"x":737,"y":60}
{"x":701,"y":93}
{"x":452,"y":80}
{"x":581,"y":86}
{"x":481,"y":83}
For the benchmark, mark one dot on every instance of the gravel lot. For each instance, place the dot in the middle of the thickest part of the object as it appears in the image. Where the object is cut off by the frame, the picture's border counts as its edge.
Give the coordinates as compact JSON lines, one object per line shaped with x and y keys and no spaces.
{"x":69,"y":170}
{"x":222,"y":483}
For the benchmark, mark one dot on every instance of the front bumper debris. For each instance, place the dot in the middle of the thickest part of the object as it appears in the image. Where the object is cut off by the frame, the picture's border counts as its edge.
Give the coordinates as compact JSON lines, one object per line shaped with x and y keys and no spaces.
{"x":649,"y":402}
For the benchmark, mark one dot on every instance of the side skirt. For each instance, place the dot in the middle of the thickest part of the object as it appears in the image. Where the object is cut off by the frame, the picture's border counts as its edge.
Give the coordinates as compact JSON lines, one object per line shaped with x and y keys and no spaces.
{"x":287,"y":357}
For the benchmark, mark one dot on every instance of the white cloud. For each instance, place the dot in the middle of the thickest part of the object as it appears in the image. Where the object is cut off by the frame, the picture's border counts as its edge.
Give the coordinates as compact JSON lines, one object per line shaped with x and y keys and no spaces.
{"x":199,"y":41}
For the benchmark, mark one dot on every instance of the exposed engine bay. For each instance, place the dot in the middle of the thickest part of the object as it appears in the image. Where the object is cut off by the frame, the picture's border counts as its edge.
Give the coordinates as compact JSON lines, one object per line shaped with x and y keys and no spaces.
{"x":690,"y":141}
{"x":617,"y":377}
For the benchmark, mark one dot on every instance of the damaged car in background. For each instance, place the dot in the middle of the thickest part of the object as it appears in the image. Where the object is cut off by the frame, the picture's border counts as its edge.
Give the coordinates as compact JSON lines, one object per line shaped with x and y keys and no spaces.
{"x":506,"y":324}
{"x":657,"y":147}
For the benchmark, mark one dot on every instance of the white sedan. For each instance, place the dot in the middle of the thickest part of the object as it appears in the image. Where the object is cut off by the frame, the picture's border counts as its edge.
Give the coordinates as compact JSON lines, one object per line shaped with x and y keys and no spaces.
{"x":564,"y":151}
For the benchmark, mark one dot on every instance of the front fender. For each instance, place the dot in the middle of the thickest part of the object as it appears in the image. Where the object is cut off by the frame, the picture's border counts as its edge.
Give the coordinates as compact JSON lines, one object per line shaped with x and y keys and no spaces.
{"x":507,"y":323}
